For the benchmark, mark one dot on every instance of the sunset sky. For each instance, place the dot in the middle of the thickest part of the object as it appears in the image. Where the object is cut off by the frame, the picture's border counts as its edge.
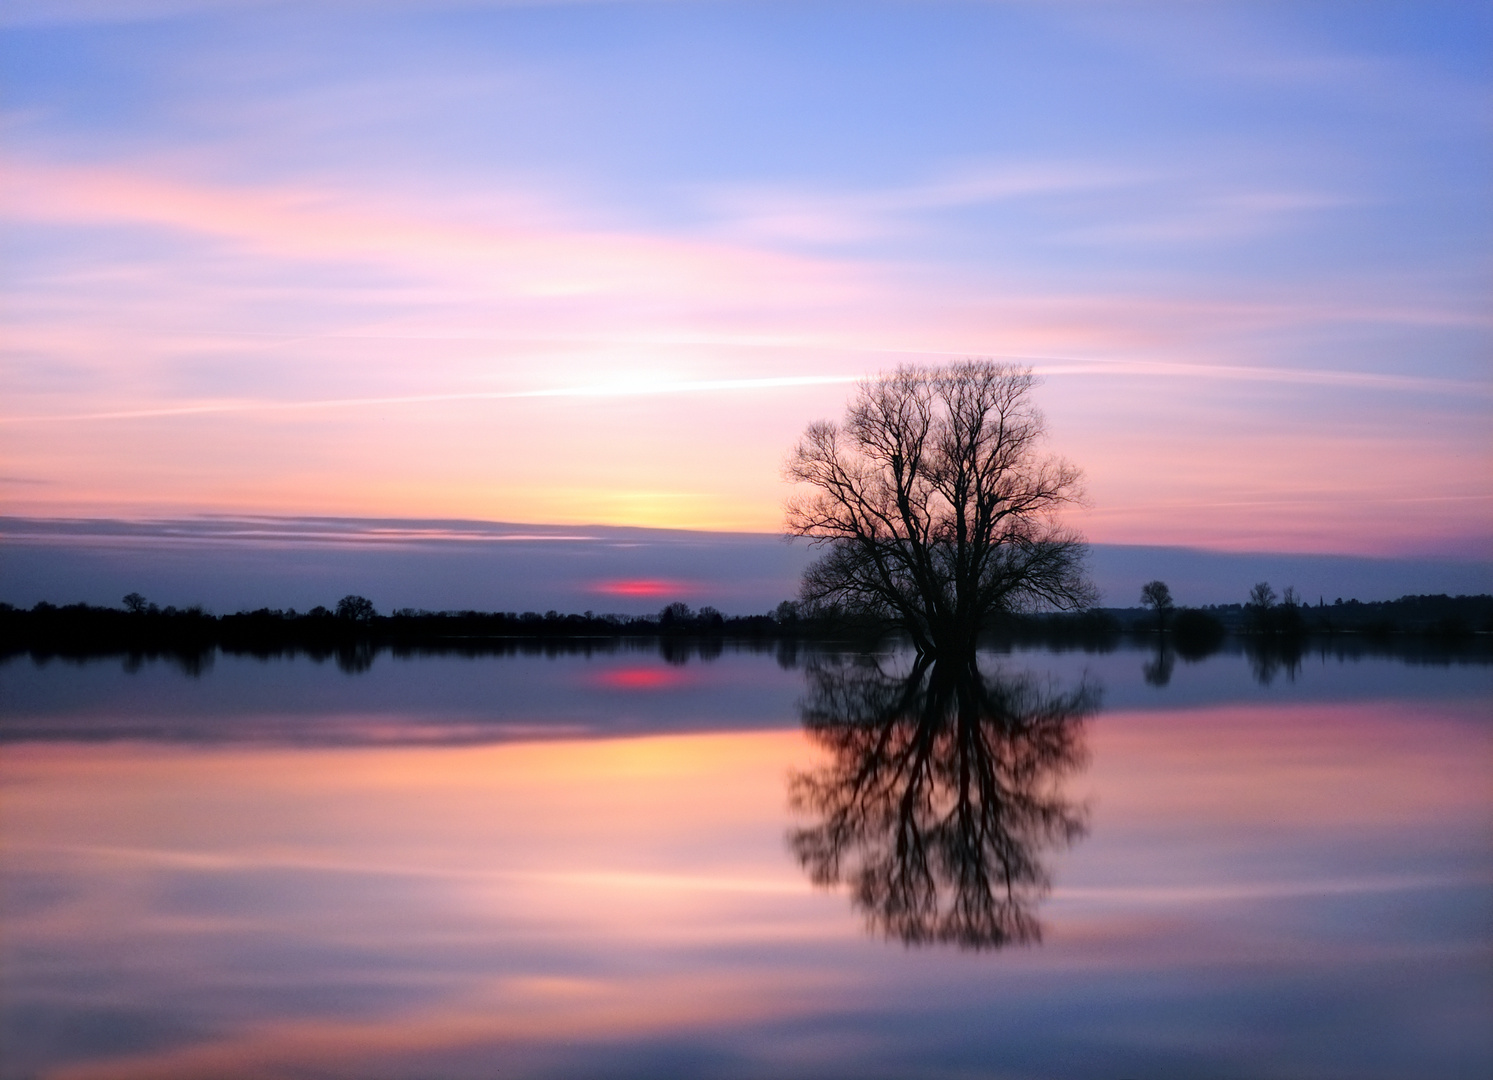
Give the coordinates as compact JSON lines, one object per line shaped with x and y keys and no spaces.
{"x":599,"y":263}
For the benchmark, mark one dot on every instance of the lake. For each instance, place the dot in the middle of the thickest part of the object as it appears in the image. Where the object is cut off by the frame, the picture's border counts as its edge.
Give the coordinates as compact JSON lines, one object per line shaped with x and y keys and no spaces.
{"x":630,"y":861}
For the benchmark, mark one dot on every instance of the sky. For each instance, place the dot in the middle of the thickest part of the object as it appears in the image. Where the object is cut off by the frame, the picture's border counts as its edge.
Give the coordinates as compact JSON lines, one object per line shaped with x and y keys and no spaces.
{"x":600,"y":263}
{"x":227,"y":564}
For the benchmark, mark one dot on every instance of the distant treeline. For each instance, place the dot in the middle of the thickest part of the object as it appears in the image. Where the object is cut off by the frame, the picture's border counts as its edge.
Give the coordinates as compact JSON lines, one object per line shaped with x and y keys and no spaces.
{"x":1437,"y":615}
{"x":84,"y":630}
{"x":353,"y":627}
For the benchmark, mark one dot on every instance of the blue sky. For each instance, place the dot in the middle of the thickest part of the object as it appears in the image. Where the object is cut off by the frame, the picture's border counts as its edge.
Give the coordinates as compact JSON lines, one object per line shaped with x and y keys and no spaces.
{"x":299,"y":258}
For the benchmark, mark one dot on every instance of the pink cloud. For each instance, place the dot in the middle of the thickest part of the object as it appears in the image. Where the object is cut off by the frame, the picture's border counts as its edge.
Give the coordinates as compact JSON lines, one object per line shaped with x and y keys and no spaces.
{"x":680,"y":370}
{"x":306,"y":223}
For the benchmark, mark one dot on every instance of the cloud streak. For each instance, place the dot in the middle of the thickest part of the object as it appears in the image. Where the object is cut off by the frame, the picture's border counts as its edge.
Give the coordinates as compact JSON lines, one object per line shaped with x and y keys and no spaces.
{"x":650,"y":388}
{"x":600,"y":390}
{"x":310,"y":224}
{"x":417,"y":268}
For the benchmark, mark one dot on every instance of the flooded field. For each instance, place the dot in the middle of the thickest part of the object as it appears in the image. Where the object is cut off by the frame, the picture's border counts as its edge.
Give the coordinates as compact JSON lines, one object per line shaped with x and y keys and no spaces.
{"x":635,"y":862}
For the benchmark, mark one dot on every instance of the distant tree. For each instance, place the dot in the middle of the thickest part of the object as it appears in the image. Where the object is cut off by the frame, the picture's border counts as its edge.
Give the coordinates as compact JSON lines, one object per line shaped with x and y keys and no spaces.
{"x":675,"y":613}
{"x":937,"y":507}
{"x":1287,"y":619}
{"x":355,"y":609}
{"x":1260,"y":605}
{"x":134,"y":603}
{"x":1156,"y":595}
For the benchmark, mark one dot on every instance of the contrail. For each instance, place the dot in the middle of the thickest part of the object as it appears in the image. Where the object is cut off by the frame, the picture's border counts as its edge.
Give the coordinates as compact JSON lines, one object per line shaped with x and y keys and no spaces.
{"x":1051,"y":366}
{"x":640,"y":389}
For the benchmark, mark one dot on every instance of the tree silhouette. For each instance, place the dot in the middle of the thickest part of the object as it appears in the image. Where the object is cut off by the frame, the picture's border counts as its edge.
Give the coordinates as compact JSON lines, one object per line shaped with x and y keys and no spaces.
{"x":355,"y":609}
{"x":1266,"y":618}
{"x":1156,"y":595}
{"x":936,"y":505}
{"x":942,"y":791}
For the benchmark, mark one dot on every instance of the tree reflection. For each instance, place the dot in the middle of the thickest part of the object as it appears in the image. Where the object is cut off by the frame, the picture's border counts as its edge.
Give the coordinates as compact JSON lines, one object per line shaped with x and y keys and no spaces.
{"x":1269,"y":656}
{"x":1158,"y":670}
{"x":942,"y":793}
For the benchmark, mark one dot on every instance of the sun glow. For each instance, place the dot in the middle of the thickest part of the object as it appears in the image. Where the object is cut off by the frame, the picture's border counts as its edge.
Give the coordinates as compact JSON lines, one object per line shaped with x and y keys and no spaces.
{"x":314,"y":305}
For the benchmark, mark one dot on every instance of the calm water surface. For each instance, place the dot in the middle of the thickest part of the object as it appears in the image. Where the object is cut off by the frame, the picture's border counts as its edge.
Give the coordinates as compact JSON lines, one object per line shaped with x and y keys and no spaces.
{"x":627,"y":864}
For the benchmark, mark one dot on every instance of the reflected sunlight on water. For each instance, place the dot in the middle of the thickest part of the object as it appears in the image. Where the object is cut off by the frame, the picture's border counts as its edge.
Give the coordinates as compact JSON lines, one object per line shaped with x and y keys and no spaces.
{"x":1299,"y":887}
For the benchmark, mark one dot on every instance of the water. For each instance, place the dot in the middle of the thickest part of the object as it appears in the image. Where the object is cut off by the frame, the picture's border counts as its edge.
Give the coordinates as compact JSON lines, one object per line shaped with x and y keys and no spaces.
{"x":629,"y":865}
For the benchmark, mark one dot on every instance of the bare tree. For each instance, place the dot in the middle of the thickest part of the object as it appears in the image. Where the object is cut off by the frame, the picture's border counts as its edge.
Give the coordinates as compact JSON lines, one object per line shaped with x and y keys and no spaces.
{"x":1261,"y":597}
{"x":1156,"y":595}
{"x":938,"y":506}
{"x":940,"y":794}
{"x":1260,"y":607}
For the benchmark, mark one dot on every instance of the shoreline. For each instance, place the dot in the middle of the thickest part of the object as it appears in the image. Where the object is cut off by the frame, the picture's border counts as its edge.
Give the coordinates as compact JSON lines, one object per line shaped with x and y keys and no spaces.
{"x":1460,"y":626}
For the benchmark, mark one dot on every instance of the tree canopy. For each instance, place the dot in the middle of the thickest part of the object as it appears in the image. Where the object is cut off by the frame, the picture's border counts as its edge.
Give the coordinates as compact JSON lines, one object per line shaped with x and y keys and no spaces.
{"x":937,"y":505}
{"x":1157,"y":596}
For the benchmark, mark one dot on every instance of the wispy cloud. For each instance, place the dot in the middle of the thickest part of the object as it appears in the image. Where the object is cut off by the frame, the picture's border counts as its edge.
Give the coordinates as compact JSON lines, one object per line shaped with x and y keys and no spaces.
{"x":843,"y":216}
{"x":307,"y":223}
{"x":1207,"y":218}
{"x":624,"y":387}
{"x":365,"y":260}
{"x":1280,"y":50}
{"x":1266,"y":374}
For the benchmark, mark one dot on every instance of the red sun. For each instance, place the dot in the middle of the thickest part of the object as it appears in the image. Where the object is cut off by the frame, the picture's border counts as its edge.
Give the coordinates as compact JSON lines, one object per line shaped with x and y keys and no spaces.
{"x":639,"y":587}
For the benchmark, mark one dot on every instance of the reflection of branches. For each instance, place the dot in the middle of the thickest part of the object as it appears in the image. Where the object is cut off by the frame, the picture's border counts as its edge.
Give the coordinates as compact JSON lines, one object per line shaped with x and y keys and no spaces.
{"x":1158,"y":671}
{"x":1269,"y":655}
{"x":942,"y":791}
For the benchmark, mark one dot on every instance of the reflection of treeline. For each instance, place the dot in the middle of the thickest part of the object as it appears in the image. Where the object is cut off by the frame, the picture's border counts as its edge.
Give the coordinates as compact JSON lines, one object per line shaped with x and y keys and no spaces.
{"x":1446,"y":624}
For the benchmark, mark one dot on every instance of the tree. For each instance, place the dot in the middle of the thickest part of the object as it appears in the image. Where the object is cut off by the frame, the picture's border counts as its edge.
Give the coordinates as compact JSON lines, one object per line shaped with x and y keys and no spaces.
{"x":1156,"y":595}
{"x":1261,"y":601}
{"x":937,"y":506}
{"x":1262,"y":596}
{"x":355,"y":608}
{"x":1287,"y":617}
